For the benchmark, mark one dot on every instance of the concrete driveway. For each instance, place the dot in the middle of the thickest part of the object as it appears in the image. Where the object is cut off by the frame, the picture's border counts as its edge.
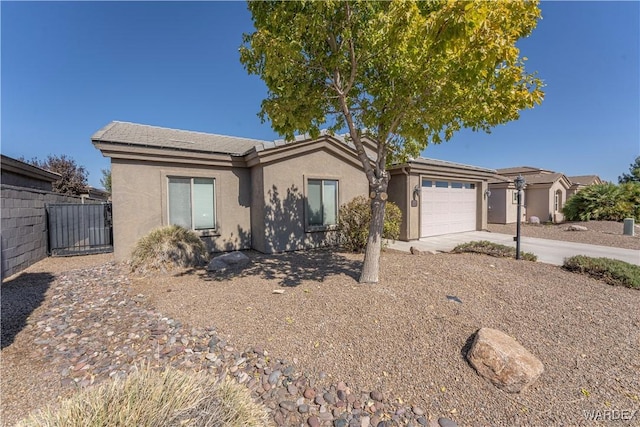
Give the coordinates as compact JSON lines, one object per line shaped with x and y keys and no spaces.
{"x":548,"y":251}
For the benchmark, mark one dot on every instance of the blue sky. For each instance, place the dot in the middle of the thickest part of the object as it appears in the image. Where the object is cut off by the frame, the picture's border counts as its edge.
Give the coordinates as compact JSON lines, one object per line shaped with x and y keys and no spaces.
{"x":69,"y":68}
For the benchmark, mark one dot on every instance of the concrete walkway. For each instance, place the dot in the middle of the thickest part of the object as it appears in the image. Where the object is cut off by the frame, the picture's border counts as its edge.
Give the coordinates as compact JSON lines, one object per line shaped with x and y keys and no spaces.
{"x":548,"y":251}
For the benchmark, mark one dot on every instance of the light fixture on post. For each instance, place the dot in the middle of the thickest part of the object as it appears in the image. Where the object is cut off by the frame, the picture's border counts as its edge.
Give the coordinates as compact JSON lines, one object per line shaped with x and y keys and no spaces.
{"x":519,"y":182}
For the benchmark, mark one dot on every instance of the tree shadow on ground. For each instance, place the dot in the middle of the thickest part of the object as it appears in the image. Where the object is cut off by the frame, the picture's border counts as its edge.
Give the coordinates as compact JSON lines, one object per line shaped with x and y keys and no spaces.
{"x":292,"y":268}
{"x":20,"y":297}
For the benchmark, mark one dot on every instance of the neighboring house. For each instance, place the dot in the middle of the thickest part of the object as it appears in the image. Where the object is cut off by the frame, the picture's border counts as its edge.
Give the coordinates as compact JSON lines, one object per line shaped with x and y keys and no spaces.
{"x":240,"y":193}
{"x":580,"y":182}
{"x":503,"y":201}
{"x":21,"y":174}
{"x":95,"y":194}
{"x":545,"y":194}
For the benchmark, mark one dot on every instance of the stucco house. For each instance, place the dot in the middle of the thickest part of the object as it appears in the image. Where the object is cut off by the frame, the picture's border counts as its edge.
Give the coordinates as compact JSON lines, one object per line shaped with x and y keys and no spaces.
{"x":580,"y":182}
{"x":545,"y":194}
{"x":239,"y":193}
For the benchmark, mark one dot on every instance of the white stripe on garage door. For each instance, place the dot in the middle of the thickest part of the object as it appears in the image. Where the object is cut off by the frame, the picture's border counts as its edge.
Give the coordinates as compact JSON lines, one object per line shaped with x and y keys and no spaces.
{"x":447,"y":207}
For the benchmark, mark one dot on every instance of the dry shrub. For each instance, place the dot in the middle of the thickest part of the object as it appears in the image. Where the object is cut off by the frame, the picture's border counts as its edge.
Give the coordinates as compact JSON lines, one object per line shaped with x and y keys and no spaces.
{"x":152,"y":398}
{"x":166,"y":248}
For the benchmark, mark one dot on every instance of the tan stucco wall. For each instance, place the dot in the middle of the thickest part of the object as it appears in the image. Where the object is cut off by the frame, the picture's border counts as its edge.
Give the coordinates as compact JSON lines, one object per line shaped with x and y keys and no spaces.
{"x":481,"y":205}
{"x":540,"y":202}
{"x":257,"y":208}
{"x":398,"y":194}
{"x":502,"y":209}
{"x":497,"y":206}
{"x":283,"y":199}
{"x":537,"y":203}
{"x":140,"y":203}
{"x":414,"y":212}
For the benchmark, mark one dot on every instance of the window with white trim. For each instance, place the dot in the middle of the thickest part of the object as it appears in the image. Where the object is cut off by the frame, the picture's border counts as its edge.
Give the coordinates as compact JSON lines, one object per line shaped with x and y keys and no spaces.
{"x":558,"y":201}
{"x":322,"y":203}
{"x":192,"y":203}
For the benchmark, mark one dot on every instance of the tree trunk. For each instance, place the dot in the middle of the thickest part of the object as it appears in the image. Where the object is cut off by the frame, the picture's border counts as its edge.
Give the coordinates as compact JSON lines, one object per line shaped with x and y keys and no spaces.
{"x":371,"y":265}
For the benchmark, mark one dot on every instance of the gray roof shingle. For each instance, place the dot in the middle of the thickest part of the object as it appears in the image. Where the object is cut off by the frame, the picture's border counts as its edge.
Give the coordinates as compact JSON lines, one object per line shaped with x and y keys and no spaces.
{"x":154,"y":136}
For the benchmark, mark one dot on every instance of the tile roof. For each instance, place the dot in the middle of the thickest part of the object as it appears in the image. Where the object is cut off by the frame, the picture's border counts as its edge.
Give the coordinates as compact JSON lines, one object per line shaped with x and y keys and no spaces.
{"x":434,"y":162}
{"x":498,"y":179}
{"x":159,"y":137}
{"x":583,"y":179}
{"x":154,"y":136}
{"x":521,"y":169}
{"x":543,"y":178}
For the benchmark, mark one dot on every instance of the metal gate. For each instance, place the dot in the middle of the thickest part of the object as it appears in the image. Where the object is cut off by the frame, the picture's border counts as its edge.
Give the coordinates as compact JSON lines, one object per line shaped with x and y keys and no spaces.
{"x":79,"y":229}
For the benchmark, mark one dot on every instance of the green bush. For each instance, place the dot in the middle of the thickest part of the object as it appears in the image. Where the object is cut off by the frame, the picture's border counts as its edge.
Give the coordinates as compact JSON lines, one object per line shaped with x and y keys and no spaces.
{"x":157,"y":399}
{"x":604,"y":202}
{"x":354,"y":220}
{"x":611,"y":271}
{"x":493,"y":249}
{"x":166,"y":248}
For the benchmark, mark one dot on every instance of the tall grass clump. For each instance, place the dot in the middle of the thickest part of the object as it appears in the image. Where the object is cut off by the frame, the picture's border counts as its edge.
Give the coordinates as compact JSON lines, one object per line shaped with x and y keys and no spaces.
{"x":354,"y":220}
{"x":166,"y":248}
{"x":611,"y":271}
{"x":604,"y":202}
{"x":493,"y":249}
{"x":150,"y":398}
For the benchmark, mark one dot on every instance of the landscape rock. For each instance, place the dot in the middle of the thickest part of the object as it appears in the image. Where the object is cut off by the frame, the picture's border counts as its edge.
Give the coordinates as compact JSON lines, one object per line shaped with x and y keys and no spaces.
{"x":577,"y":228}
{"x":534,"y":220}
{"x":235,"y":258}
{"x":503,"y":361}
{"x":446,"y":422}
{"x":217,"y":264}
{"x":224,"y":261}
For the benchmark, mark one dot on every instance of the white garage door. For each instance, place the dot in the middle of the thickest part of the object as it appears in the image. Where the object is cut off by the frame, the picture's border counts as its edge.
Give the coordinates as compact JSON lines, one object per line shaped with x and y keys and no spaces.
{"x":447,"y":207}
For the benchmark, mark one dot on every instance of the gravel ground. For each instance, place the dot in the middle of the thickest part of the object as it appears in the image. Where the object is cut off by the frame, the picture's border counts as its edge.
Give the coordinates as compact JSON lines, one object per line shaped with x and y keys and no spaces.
{"x":603,"y":233}
{"x":406,"y":338}
{"x":403,"y":336}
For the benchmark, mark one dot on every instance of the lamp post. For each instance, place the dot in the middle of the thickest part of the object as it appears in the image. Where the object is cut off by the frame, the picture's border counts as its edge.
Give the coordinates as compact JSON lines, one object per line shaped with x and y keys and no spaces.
{"x":519,"y":181}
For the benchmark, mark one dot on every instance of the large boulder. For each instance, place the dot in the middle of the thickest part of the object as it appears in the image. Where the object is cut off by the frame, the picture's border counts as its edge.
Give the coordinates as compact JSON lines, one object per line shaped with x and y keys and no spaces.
{"x":222,"y":262}
{"x":503,"y":361}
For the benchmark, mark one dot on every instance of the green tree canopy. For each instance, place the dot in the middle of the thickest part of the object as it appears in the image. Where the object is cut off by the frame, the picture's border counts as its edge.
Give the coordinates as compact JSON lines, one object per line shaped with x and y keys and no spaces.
{"x":106,"y":179}
{"x":406,"y":74}
{"x":73,"y":179}
{"x":634,"y":173}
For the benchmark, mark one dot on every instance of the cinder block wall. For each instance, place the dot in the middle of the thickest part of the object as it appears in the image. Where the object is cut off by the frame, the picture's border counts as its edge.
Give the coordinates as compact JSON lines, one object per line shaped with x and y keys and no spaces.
{"x":23,"y":225}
